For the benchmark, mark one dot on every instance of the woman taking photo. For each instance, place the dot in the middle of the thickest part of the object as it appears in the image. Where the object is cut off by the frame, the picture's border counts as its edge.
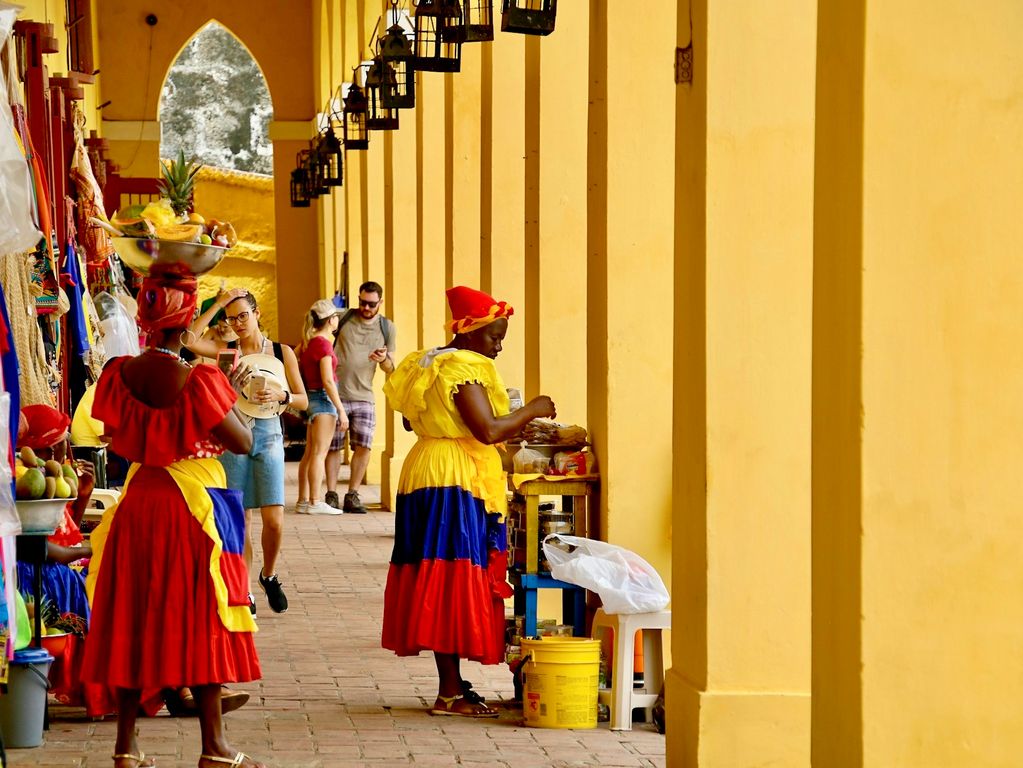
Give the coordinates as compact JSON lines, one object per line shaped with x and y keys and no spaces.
{"x":167,"y":589}
{"x":258,"y":473}
{"x":446,"y":584}
{"x":318,"y":364}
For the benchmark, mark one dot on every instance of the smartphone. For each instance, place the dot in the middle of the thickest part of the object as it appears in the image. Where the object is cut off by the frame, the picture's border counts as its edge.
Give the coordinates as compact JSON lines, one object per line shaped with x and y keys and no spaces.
{"x":227,"y":359}
{"x":256,"y":383}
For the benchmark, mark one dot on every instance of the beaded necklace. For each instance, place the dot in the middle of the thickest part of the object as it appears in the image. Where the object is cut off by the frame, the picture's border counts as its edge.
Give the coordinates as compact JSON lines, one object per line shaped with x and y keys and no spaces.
{"x":165,"y":351}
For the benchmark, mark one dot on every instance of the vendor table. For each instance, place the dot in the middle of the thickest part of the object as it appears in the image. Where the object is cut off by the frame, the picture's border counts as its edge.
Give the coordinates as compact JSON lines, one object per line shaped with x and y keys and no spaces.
{"x":576,"y":496}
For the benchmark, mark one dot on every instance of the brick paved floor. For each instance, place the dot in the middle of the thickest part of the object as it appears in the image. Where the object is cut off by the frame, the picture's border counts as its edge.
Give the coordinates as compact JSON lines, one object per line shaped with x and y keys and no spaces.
{"x":330,"y":696}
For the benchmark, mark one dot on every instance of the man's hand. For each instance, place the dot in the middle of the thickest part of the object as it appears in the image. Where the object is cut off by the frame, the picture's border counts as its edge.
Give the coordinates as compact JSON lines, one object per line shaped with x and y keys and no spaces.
{"x":378,"y":355}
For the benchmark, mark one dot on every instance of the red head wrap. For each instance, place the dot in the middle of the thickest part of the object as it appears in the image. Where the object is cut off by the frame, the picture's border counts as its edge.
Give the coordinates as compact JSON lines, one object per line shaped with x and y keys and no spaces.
{"x":472,"y":309}
{"x":46,"y":426}
{"x":167,"y":299}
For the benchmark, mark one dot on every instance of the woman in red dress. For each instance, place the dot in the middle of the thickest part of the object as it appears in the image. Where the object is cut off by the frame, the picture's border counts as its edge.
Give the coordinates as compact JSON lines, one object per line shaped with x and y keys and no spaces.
{"x":167,"y":579}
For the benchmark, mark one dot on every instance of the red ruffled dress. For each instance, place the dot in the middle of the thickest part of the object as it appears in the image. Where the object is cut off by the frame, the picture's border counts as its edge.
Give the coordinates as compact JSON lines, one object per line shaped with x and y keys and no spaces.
{"x":155,"y":618}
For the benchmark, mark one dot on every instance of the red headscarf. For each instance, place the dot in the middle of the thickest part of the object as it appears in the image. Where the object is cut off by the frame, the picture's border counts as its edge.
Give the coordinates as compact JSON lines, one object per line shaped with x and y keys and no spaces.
{"x":167,"y":299}
{"x":46,"y":426}
{"x":472,"y":309}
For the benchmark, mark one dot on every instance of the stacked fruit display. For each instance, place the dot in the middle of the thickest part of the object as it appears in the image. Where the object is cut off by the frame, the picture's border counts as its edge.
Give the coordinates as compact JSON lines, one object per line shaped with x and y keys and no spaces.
{"x":169,"y":218}
{"x":39,"y":479}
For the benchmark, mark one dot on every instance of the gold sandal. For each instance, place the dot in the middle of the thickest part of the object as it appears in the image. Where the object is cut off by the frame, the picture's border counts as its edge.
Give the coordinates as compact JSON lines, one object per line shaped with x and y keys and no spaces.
{"x":237,"y":760}
{"x":447,"y":703}
{"x":139,"y":759}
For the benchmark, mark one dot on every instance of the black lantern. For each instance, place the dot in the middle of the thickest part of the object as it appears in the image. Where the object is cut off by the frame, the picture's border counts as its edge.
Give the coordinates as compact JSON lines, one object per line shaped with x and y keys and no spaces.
{"x":313,"y":166}
{"x":396,"y":51}
{"x":331,"y":156}
{"x":379,"y":80}
{"x":438,"y":44}
{"x":354,"y":124}
{"x":477,"y":21}
{"x":299,"y":188}
{"x":528,"y":17}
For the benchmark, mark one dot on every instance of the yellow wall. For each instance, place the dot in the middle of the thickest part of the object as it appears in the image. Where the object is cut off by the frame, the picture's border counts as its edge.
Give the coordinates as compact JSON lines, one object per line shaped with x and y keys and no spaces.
{"x":246,"y":200}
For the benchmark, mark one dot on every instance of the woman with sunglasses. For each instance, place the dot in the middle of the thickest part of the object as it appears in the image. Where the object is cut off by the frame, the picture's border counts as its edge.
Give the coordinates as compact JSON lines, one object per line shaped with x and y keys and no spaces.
{"x":259,"y":475}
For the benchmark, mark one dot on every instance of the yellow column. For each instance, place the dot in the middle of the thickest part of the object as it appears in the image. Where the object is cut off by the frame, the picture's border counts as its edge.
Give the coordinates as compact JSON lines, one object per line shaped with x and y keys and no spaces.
{"x":738,"y":692}
{"x":430,"y":109}
{"x":463,"y":118}
{"x":561,"y":293}
{"x":630,"y":300}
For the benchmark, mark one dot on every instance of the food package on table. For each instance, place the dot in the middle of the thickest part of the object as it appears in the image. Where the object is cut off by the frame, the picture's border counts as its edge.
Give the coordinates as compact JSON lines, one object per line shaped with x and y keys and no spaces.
{"x":528,"y":462}
{"x":547,"y":432}
{"x":574,"y":463}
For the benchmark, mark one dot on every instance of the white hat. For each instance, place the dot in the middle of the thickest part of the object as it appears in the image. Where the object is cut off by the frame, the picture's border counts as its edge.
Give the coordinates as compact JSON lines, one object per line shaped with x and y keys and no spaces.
{"x":273,"y":369}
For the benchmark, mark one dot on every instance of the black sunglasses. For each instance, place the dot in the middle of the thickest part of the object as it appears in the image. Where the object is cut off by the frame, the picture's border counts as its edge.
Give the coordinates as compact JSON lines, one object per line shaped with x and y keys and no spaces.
{"x":368,"y":304}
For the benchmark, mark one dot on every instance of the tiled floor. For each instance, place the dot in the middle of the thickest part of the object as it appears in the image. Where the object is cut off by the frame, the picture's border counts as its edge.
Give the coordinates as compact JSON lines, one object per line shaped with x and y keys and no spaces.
{"x":330,"y":696}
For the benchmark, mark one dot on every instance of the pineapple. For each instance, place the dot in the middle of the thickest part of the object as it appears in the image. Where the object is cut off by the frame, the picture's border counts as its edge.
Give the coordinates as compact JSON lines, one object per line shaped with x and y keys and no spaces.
{"x":178,"y":183}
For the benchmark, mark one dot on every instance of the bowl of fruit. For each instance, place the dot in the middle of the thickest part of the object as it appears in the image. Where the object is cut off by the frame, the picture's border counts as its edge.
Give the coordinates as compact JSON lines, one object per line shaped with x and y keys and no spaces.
{"x":41,"y":490}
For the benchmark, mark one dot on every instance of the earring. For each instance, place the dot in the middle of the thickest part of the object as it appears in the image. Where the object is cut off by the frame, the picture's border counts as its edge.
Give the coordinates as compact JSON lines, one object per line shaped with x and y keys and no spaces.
{"x":184,"y":335}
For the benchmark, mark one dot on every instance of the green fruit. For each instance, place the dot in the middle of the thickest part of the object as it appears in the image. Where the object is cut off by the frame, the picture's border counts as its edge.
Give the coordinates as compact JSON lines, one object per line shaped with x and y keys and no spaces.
{"x":31,"y":485}
{"x":61,"y":488}
{"x":205,"y":239}
{"x":52,"y":468}
{"x":69,"y":472}
{"x":28,"y":457}
{"x":73,"y":483}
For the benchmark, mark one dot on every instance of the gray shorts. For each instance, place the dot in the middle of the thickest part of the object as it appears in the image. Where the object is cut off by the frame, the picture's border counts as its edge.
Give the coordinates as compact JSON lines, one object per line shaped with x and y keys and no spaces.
{"x":362,"y":422}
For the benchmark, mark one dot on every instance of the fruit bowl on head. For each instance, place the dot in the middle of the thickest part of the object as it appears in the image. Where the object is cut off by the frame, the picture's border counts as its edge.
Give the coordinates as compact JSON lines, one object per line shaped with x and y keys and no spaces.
{"x":191,"y":258}
{"x":40,"y":516}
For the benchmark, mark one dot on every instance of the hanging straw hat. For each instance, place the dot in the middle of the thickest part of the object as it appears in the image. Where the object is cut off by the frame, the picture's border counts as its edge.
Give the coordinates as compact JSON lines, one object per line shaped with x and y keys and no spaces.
{"x":273,"y":369}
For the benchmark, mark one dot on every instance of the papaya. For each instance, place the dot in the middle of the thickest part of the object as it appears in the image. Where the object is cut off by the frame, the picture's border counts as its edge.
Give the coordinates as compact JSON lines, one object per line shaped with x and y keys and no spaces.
{"x":180,"y":233}
{"x":31,"y":485}
{"x":28,"y":457}
{"x":52,"y":468}
{"x":127,"y":214}
{"x":137,"y":228}
{"x":50,"y":484}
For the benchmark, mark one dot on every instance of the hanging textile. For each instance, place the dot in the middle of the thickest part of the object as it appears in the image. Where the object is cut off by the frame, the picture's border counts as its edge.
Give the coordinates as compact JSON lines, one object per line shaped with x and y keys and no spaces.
{"x":27,"y":368}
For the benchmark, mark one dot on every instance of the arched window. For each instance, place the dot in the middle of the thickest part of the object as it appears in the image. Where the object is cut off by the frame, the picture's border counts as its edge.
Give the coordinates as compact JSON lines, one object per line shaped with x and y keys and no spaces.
{"x":215,"y":105}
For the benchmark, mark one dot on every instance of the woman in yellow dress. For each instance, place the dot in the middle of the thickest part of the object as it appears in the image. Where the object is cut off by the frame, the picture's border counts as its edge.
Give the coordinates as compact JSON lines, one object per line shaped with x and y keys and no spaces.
{"x":446,"y":584}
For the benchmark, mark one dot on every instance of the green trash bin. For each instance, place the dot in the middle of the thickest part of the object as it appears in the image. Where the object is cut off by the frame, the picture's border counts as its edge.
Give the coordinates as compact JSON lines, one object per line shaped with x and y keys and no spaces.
{"x":23,"y":704}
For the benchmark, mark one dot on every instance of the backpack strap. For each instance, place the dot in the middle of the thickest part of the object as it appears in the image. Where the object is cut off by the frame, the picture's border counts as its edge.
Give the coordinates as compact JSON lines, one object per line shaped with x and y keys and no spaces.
{"x":278,"y":352}
{"x":386,"y":330}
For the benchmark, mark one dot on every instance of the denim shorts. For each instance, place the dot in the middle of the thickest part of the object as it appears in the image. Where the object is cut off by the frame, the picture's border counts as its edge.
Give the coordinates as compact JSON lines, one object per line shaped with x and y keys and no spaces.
{"x":259,"y":474}
{"x":319,"y":403}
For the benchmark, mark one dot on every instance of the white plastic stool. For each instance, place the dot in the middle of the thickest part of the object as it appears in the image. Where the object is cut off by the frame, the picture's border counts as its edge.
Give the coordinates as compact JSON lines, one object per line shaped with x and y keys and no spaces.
{"x":622,"y":697}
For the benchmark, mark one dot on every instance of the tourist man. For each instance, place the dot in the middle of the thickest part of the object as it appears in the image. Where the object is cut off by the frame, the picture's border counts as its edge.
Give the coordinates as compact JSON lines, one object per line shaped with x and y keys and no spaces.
{"x":365,"y":339}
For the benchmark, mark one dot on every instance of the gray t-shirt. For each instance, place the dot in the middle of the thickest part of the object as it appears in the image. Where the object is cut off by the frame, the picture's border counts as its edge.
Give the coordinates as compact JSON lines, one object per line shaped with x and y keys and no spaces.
{"x":356,"y":339}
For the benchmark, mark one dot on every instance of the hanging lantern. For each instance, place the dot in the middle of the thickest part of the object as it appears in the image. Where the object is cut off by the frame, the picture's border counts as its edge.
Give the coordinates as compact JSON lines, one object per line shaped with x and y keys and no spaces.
{"x":380,"y":80}
{"x":299,"y":188}
{"x":311,"y":158}
{"x":331,"y":156}
{"x":528,"y":17}
{"x":477,"y":21}
{"x":354,"y":123}
{"x":438,"y":44}
{"x":396,"y":51}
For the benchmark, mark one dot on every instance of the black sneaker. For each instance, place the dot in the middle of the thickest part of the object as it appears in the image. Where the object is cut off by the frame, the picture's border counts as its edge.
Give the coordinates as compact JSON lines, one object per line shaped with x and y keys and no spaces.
{"x":252,"y":604}
{"x":332,"y":499}
{"x":352,"y":504}
{"x":274,"y":593}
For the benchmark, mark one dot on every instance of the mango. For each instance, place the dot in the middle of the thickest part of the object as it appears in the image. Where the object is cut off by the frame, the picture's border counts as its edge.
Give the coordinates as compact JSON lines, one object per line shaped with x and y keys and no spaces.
{"x":31,"y":485}
{"x":73,"y":484}
{"x":69,"y":472}
{"x":62,"y":490}
{"x":28,"y":457}
{"x":52,"y":468}
{"x":19,"y":470}
{"x":50,"y":487}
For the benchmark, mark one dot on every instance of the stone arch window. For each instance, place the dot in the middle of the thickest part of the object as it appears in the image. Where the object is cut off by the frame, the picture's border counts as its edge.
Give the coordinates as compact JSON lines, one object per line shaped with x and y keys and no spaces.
{"x":215,"y":104}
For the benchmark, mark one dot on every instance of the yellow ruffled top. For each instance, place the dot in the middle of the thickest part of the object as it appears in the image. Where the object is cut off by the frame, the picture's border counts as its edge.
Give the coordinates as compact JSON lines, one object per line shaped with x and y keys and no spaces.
{"x":422,"y":389}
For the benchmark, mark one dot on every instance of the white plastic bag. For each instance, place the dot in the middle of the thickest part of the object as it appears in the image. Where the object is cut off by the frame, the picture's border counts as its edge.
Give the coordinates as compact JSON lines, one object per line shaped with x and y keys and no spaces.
{"x":625,"y":581}
{"x":119,"y":329}
{"x":10,"y":523}
{"x":19,"y":232}
{"x":526,"y":461}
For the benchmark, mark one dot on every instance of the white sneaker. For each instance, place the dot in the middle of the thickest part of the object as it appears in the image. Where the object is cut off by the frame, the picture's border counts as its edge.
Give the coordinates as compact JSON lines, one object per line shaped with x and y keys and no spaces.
{"x":302,"y":508}
{"x":321,"y":508}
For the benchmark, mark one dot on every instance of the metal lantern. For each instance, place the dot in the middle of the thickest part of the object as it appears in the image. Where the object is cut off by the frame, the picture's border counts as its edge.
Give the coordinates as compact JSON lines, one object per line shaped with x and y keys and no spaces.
{"x":438,"y":43}
{"x":477,"y":21}
{"x":528,"y":17}
{"x":354,"y":124}
{"x":331,"y":156}
{"x":311,"y":159}
{"x":396,"y":51}
{"x":299,"y":188}
{"x":379,"y":80}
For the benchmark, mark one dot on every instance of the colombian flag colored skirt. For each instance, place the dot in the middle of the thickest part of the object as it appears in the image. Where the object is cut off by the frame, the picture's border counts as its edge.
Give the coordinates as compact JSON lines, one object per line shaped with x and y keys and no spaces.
{"x":168,"y":584}
{"x":441,"y":595}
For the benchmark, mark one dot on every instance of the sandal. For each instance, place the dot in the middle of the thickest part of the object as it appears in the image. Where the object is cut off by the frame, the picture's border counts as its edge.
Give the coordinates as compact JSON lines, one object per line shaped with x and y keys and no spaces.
{"x":140,"y":758}
{"x":446,"y":706}
{"x":180,"y":702}
{"x":232,"y":700}
{"x":470,"y":695}
{"x":237,"y":760}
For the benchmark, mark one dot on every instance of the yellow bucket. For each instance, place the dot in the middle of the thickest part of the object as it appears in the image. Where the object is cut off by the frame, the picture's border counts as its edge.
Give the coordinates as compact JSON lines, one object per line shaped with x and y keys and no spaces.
{"x":560,"y":682}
